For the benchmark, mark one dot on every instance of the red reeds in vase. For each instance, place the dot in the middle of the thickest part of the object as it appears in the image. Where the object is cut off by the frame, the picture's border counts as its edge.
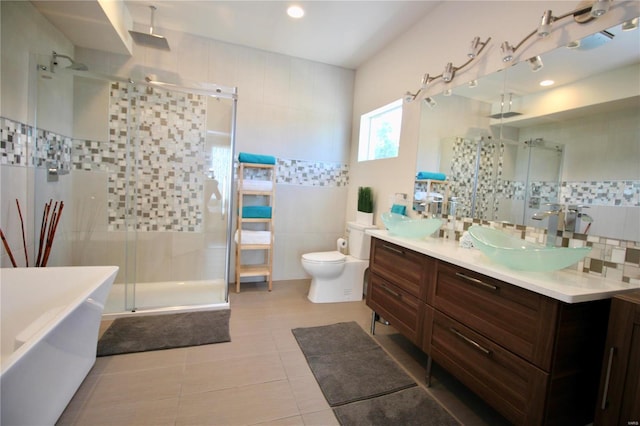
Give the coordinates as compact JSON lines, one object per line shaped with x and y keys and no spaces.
{"x":50,"y":219}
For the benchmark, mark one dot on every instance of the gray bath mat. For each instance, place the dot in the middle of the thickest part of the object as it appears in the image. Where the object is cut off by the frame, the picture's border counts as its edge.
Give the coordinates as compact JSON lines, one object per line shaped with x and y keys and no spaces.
{"x":408,"y":407}
{"x":362,"y":384}
{"x":154,"y":332}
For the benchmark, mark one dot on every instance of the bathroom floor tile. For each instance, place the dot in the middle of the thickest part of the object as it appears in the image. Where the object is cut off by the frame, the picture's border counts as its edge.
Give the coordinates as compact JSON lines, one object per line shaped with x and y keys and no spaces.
{"x":259,"y":378}
{"x":267,"y":401}
{"x":235,"y":372}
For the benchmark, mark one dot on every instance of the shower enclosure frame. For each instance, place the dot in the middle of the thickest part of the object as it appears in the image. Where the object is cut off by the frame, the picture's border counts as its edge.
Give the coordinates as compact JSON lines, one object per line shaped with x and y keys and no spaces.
{"x":131,"y":235}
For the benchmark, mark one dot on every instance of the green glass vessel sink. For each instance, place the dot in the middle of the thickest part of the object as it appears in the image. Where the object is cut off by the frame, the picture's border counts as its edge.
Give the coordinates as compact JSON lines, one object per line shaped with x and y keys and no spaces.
{"x":404,"y":226}
{"x":522,"y":255}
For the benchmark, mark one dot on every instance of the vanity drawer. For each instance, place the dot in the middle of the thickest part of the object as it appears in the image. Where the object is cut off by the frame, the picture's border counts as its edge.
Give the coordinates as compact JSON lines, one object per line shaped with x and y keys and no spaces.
{"x":518,"y":319}
{"x":511,"y":385}
{"x":403,"y":267}
{"x":402,"y":310}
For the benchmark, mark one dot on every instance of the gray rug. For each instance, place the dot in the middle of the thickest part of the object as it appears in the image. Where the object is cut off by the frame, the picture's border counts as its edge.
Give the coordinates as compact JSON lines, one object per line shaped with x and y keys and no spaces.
{"x":362,"y":384}
{"x":154,"y":332}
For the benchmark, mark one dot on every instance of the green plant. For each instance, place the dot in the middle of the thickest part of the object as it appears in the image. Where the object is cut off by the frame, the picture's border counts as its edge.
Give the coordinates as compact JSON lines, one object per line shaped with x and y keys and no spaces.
{"x":365,"y":199}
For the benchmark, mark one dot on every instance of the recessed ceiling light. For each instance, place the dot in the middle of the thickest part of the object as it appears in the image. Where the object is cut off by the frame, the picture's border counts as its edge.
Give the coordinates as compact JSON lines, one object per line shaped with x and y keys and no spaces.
{"x":295,"y":11}
{"x":547,"y":83}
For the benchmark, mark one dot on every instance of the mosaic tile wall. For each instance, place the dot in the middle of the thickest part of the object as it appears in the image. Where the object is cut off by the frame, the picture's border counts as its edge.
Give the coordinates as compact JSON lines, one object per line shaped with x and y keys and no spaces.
{"x":462,"y":175}
{"x":304,"y":173}
{"x":618,"y":260}
{"x":310,"y":173}
{"x":169,"y":183}
{"x":603,"y":193}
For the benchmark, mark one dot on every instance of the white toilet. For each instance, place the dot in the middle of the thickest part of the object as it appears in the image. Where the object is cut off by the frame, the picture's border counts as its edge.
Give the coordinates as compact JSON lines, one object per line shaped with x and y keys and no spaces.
{"x":336,"y":277}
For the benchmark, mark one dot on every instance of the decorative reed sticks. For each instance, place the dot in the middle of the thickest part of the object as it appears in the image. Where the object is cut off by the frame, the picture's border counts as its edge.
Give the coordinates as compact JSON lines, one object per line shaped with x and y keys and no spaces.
{"x":48,"y":227}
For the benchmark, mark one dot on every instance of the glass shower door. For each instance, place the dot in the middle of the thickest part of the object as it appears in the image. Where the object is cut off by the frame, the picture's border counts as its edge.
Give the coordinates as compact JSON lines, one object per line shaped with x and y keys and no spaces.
{"x":182,"y":163}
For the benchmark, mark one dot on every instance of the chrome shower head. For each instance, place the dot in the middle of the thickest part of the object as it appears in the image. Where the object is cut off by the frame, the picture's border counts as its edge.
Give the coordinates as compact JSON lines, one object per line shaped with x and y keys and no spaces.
{"x":77,"y":66}
{"x":150,"y":39}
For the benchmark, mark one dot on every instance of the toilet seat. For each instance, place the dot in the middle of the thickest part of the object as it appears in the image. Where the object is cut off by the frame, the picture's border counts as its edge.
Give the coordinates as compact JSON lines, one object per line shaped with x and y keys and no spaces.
{"x":326,"y":257}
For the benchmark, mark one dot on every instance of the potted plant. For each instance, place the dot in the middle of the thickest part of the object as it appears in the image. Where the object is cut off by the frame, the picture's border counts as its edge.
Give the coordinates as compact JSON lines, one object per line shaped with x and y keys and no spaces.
{"x":364,"y":215}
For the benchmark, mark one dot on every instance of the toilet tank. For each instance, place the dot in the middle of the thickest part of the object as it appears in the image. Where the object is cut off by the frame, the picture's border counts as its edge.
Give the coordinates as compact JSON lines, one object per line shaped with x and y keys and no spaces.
{"x":359,"y":241}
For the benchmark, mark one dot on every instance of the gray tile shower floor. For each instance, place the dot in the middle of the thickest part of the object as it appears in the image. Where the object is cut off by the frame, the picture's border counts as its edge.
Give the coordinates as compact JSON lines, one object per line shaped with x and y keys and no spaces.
{"x":259,"y":378}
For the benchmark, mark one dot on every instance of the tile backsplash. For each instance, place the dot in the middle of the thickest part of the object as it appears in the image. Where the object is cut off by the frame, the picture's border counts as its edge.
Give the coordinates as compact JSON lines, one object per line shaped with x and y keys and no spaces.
{"x":618,"y":260}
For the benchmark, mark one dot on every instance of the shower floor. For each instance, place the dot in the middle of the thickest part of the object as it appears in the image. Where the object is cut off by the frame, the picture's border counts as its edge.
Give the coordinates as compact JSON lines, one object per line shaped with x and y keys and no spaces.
{"x":173,"y":295}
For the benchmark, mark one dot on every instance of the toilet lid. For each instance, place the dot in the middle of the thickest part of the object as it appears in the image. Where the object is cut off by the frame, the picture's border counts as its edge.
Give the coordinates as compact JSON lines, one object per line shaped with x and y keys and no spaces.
{"x":325,"y":257}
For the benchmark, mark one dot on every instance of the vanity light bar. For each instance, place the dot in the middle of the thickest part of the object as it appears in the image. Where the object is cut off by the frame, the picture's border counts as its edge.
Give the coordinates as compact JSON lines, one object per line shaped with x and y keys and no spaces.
{"x":450,"y":70}
{"x":596,"y":9}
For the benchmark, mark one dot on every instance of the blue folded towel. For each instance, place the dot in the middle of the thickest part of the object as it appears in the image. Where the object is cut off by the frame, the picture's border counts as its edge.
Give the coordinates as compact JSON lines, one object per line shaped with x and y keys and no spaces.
{"x":398,"y":208}
{"x":244,"y":157}
{"x":256,"y":212}
{"x":431,"y":175}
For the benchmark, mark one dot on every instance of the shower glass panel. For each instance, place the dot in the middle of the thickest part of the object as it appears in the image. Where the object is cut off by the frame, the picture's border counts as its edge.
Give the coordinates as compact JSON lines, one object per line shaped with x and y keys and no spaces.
{"x":145,"y":175}
{"x":472,"y":167}
{"x":543,"y":177}
{"x":502,"y":180}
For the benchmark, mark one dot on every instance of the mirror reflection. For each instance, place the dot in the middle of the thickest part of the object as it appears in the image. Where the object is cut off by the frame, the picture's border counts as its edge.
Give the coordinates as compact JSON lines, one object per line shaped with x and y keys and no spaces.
{"x":511,"y":149}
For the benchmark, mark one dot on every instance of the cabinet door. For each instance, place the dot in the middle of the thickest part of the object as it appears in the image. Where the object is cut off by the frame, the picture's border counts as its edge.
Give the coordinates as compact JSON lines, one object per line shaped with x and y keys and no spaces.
{"x":619,"y":394}
{"x":401,"y":309}
{"x":518,"y":319}
{"x":405,"y":268}
{"x":511,"y":385}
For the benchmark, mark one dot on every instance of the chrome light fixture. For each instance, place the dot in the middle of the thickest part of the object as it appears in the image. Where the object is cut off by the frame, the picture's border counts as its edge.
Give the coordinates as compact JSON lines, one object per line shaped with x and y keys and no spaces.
{"x":590,"y":8}
{"x":545,"y":24}
{"x":630,"y":25}
{"x":409,"y":97}
{"x":425,"y":81}
{"x":600,"y":7}
{"x":535,"y":63}
{"x":430,"y":102}
{"x":447,"y":74}
{"x":476,"y":47}
{"x":507,"y":52}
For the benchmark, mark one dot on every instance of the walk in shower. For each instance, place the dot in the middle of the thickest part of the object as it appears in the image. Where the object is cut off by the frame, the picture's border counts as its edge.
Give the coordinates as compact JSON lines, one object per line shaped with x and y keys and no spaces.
{"x":145,"y":170}
{"x":502,"y":180}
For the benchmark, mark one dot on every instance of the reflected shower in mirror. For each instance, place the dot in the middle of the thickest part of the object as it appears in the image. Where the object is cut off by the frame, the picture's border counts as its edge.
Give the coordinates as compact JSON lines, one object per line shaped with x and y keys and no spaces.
{"x":584,"y":128}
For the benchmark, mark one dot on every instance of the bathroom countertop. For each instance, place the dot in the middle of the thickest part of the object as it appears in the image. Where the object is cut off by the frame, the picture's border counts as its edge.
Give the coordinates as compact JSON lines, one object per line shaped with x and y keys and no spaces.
{"x":566,"y":285}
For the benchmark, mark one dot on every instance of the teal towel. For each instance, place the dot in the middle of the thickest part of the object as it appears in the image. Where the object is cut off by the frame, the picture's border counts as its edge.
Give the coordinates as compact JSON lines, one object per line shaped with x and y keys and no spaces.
{"x":400,"y":209}
{"x":244,"y":157}
{"x":431,"y":175}
{"x":256,"y":212}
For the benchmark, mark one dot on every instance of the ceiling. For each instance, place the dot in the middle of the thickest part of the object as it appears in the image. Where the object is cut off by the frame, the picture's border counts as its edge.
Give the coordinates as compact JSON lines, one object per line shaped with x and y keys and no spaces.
{"x":342,"y":33}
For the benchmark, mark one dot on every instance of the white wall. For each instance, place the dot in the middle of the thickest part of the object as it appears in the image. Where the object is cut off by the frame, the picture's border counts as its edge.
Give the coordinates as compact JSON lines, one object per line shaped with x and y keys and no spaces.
{"x":443,"y":36}
{"x":288,"y":107}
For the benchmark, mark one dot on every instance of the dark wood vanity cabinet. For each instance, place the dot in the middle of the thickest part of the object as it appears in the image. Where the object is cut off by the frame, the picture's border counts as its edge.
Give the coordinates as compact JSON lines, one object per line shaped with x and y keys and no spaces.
{"x":619,"y":393}
{"x":399,"y":280}
{"x":534,"y":359}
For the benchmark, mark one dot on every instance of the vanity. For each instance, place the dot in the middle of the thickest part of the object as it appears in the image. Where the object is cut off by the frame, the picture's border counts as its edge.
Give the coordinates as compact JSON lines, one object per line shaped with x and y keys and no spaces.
{"x":530,"y":344}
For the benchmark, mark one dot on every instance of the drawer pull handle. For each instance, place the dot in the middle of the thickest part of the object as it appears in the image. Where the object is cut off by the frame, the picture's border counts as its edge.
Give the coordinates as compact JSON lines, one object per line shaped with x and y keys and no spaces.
{"x":612,"y":351}
{"x":393,"y":249}
{"x":388,"y":290}
{"x":477,"y":281}
{"x":471,"y":342}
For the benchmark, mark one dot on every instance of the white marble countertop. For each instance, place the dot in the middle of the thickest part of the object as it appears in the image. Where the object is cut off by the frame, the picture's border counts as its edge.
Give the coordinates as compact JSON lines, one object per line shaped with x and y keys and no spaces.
{"x":566,"y":285}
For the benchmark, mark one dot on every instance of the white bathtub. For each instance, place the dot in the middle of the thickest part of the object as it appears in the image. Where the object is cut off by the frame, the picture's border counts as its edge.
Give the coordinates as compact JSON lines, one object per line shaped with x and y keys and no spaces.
{"x":49,"y":331}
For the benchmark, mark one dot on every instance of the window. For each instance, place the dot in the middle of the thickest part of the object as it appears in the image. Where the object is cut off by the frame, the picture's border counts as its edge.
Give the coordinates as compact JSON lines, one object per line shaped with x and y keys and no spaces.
{"x":380,"y":132}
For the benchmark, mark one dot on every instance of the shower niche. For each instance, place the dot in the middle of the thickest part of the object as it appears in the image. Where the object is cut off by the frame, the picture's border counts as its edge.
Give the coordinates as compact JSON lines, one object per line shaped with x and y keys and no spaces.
{"x":501,"y":179}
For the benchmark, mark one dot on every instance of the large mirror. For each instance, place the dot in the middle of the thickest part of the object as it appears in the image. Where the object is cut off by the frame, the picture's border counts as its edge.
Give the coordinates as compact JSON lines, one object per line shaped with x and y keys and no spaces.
{"x":508,"y":146}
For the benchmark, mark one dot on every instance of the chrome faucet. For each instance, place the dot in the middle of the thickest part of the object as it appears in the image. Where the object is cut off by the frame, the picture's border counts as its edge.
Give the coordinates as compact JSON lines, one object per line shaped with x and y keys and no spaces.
{"x":552,"y":226}
{"x":574,"y":216}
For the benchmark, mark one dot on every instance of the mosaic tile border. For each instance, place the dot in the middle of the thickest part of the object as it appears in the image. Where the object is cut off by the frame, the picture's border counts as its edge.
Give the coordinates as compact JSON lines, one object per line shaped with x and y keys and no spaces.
{"x":311,"y":173}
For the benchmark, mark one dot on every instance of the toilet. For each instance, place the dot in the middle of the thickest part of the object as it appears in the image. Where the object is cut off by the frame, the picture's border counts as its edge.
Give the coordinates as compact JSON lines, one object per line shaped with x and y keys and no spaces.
{"x":336,"y":277}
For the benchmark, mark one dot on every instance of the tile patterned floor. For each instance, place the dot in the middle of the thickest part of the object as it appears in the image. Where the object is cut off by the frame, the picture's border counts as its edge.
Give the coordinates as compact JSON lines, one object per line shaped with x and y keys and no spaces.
{"x":259,"y":378}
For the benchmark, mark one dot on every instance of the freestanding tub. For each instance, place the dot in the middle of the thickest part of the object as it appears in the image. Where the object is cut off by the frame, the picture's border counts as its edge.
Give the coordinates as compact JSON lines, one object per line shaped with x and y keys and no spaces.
{"x":49,"y":332}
